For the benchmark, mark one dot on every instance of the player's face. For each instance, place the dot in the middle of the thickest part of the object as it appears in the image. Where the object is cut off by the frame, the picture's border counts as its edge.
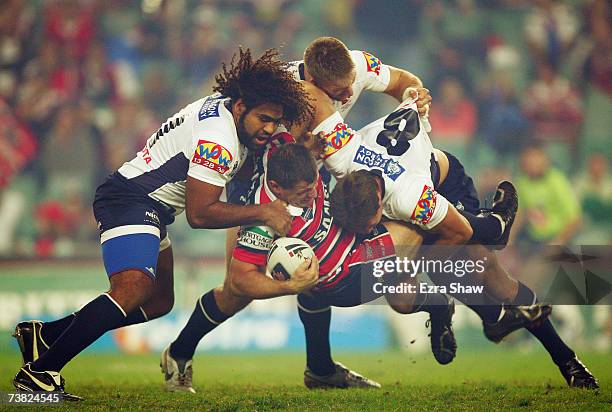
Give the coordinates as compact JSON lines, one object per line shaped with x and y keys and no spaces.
{"x":301,"y":195}
{"x":340,"y":90}
{"x":256,"y":126}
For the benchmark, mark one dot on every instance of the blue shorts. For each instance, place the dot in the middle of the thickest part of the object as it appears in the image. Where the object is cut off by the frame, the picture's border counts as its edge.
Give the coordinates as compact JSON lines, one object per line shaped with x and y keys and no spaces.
{"x":458,"y":188}
{"x":132,"y":229}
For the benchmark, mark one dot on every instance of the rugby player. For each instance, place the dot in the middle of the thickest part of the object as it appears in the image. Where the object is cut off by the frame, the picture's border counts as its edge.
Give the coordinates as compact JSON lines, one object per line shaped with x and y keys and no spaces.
{"x":384,"y":170}
{"x":185,"y":165}
{"x":342,"y":76}
{"x":288,"y":171}
{"x":452,"y":188}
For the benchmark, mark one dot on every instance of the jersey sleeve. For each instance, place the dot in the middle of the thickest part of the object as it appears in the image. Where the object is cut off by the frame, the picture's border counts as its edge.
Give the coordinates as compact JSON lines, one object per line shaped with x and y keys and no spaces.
{"x":341,"y":144}
{"x":371,"y":72}
{"x":253,"y":244}
{"x":212,"y":158}
{"x":417,"y":203}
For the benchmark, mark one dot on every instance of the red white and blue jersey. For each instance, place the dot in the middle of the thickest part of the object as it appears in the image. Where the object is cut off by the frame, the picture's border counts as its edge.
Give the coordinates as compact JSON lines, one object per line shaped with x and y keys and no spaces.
{"x":398,"y":147}
{"x":337,"y":249}
{"x":370,"y":74}
{"x":200,"y":141}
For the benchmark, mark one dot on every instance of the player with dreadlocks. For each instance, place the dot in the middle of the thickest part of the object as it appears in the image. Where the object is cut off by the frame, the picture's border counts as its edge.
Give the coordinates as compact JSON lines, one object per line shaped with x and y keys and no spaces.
{"x":184,"y":165}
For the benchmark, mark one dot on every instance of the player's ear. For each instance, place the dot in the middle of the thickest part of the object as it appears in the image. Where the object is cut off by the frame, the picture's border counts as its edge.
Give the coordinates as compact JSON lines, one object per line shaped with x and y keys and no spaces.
{"x":239,"y":107}
{"x":274,"y":187}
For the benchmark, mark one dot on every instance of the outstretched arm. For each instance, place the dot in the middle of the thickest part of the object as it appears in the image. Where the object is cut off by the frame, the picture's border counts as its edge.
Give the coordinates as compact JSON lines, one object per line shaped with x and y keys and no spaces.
{"x":204,"y":210}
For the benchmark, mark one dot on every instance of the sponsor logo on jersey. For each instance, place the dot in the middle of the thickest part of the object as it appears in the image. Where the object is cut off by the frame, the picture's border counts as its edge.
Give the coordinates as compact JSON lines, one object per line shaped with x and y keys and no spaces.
{"x":337,"y":139}
{"x":373,"y":63}
{"x":372,"y":159}
{"x":210,"y":108}
{"x":255,"y":238}
{"x":212,"y":155}
{"x":425,"y":206}
{"x":152,"y":215}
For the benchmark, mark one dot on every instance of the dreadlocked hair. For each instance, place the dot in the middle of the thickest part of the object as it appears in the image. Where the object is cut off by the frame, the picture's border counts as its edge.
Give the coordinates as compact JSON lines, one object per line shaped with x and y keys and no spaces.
{"x":265,"y":80}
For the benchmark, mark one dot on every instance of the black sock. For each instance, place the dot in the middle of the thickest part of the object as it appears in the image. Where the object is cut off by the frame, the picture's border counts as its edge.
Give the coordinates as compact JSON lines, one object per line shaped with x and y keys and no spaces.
{"x":431,"y":303}
{"x":524,"y":296}
{"x":545,"y":333}
{"x":486,"y":228}
{"x":488,"y":313}
{"x":92,"y":321}
{"x":318,"y":351}
{"x":552,"y":342}
{"x":205,"y":317}
{"x":50,"y":331}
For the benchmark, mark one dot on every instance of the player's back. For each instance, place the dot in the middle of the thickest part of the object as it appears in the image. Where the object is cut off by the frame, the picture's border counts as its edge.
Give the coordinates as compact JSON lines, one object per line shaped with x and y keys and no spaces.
{"x":397,"y":148}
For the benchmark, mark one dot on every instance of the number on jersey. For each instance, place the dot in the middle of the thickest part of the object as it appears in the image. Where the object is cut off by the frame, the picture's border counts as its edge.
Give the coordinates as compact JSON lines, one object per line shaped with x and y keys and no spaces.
{"x":400,"y":127}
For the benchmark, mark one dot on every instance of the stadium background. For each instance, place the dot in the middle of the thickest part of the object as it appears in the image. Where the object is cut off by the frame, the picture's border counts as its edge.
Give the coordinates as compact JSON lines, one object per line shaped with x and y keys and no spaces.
{"x":84,"y":83}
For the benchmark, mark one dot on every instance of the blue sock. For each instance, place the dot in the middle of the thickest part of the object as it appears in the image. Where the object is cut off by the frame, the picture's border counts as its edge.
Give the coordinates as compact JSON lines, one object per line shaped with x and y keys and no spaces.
{"x":205,"y":317}
{"x":92,"y":321}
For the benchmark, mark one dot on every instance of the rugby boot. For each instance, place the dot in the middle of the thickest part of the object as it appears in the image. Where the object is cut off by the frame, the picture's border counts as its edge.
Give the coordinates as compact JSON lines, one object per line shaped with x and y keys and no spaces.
{"x":31,"y":343}
{"x":28,"y":380}
{"x":577,"y":375}
{"x":515,"y":317}
{"x":443,"y":343}
{"x":178,"y":373}
{"x":504,"y":208}
{"x":341,"y":378}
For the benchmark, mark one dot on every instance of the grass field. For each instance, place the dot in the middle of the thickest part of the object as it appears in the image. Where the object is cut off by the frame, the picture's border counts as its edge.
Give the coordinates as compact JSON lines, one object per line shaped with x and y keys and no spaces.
{"x":493,"y":380}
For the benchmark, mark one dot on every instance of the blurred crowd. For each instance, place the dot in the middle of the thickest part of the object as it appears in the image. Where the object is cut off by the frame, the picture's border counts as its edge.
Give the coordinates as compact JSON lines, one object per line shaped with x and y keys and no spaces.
{"x":521,"y":89}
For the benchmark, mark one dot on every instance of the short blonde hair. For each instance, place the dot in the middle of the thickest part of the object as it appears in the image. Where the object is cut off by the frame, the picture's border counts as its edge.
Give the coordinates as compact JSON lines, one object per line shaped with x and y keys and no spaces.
{"x":327,"y":59}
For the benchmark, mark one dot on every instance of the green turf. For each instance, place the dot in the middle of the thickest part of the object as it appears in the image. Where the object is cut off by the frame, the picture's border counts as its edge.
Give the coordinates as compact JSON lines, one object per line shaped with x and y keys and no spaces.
{"x":493,"y":380}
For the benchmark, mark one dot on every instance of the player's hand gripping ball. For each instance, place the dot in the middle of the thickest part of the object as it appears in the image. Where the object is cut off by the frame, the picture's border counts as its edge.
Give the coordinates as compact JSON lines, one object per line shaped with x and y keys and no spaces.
{"x":286,"y":254}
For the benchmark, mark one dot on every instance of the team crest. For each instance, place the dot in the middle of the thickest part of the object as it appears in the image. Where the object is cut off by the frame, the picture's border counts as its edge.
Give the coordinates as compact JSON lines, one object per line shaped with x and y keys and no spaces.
{"x":425,"y":206}
{"x":373,"y":63}
{"x":337,"y":139}
{"x":213,"y":156}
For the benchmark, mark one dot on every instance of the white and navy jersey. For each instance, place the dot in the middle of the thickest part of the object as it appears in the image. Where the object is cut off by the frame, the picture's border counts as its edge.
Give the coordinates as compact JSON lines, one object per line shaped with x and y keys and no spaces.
{"x":399,"y":149}
{"x":371,"y":74}
{"x":199,"y":141}
{"x":337,"y":249}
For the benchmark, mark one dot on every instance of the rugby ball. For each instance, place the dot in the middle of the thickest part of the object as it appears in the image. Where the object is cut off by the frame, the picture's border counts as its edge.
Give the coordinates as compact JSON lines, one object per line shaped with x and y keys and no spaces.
{"x":285,"y":255}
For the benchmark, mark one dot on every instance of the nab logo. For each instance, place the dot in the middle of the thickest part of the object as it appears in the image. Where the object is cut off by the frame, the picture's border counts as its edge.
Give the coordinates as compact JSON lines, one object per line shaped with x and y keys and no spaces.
{"x":210,"y":108}
{"x":425,"y":206}
{"x":213,"y":156}
{"x":337,"y":139}
{"x":373,"y":63}
{"x":372,"y":159}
